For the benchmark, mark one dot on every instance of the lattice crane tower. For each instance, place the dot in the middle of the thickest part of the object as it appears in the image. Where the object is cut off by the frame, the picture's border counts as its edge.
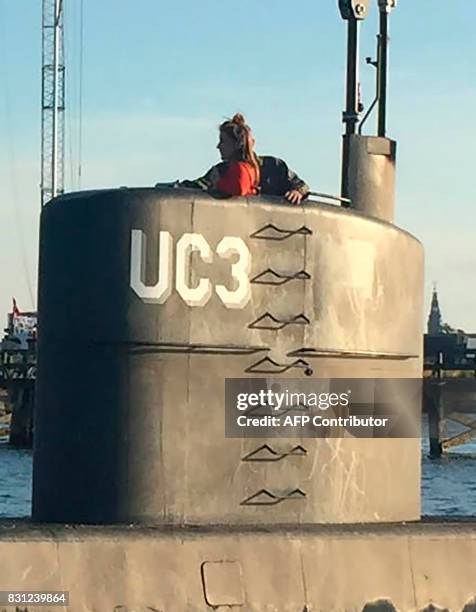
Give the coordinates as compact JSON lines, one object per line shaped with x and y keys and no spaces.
{"x":53,"y":101}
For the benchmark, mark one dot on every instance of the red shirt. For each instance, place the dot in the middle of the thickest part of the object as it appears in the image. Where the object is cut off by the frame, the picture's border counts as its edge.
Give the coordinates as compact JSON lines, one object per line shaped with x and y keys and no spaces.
{"x":238,"y":180}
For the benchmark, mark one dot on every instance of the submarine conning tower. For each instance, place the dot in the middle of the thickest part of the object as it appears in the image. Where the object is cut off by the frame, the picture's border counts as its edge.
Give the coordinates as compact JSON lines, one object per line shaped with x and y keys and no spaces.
{"x":150,"y":298}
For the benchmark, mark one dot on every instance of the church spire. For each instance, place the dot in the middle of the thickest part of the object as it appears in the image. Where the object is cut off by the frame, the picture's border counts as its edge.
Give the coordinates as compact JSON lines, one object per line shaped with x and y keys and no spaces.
{"x":434,"y":319}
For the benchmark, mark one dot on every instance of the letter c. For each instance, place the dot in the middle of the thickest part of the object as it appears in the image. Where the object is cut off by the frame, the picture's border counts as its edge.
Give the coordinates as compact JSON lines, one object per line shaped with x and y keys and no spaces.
{"x":199,"y":295}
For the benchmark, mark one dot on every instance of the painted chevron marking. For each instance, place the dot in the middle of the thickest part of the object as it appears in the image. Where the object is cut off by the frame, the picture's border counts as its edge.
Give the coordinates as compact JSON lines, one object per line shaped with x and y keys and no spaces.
{"x":266,"y":453}
{"x":271,"y":232}
{"x":263,"y":497}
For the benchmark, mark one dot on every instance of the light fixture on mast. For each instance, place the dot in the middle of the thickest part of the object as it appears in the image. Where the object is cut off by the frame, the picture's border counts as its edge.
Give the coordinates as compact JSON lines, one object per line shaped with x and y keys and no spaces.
{"x":52,"y":101}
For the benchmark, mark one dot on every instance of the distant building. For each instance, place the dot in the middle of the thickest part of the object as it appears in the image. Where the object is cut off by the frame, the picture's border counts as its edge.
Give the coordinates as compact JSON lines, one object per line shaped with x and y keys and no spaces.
{"x":450,"y":347}
{"x":20,"y":333}
{"x":18,"y":347}
{"x":471,"y":346}
{"x":434,"y":326}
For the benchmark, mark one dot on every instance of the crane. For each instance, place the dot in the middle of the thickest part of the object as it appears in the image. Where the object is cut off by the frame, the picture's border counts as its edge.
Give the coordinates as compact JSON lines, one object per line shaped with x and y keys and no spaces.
{"x":52,"y":101}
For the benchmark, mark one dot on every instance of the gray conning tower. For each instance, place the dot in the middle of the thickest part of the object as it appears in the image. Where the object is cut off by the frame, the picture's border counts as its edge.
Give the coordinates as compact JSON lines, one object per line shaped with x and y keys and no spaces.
{"x":368,"y":162}
{"x":150,"y":298}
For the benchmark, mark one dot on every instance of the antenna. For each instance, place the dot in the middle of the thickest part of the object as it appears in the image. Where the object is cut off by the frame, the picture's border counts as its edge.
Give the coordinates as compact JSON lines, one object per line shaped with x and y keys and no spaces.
{"x":52,"y":101}
{"x":353,"y":11}
{"x":385,"y":6}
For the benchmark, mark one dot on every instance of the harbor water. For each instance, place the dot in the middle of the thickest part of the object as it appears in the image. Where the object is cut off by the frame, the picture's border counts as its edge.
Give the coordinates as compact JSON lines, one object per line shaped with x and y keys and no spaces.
{"x":448,"y":484}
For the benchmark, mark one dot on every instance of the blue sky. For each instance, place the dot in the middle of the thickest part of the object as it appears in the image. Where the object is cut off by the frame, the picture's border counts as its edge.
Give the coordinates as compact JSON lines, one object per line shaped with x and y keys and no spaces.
{"x":159,"y":76}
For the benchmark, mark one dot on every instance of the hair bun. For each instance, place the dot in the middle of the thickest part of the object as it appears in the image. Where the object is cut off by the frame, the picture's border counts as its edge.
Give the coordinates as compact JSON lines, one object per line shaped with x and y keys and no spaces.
{"x":238,"y":119}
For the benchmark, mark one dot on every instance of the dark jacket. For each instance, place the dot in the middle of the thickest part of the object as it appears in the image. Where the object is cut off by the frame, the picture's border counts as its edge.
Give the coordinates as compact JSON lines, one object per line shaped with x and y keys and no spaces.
{"x":275,"y":178}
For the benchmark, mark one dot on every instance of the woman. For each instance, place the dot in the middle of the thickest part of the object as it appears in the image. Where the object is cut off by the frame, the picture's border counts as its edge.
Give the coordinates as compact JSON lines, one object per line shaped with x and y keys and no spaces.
{"x":242,"y":172}
{"x":240,"y":176}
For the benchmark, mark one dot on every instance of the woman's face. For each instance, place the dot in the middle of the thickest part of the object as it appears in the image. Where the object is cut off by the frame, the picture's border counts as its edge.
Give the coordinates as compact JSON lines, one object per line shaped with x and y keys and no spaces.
{"x":226,"y":146}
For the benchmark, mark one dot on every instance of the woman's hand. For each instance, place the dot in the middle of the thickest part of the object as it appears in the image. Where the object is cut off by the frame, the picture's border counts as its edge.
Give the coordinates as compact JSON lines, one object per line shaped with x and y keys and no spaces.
{"x":294,"y":196}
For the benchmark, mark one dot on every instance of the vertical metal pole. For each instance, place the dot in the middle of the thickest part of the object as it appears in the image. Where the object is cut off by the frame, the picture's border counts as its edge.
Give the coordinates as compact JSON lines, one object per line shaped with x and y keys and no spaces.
{"x":54,"y":152}
{"x":436,"y":413}
{"x":383,"y":70}
{"x":351,"y":115}
{"x":345,"y":166}
{"x":435,"y":421}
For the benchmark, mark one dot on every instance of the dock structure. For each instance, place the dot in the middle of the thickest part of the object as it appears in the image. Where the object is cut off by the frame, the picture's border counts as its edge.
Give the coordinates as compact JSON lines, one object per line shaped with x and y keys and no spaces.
{"x":4,"y":414}
{"x":17,"y":377}
{"x":446,"y":398}
{"x":449,"y":381}
{"x":17,"y":387}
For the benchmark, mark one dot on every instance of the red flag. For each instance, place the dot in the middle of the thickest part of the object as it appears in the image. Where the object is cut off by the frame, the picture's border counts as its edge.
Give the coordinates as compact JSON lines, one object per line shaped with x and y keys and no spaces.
{"x":16,"y":311}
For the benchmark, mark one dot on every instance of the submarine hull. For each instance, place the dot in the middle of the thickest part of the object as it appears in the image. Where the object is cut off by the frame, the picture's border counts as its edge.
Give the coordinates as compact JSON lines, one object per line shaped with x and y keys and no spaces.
{"x":373,"y":568}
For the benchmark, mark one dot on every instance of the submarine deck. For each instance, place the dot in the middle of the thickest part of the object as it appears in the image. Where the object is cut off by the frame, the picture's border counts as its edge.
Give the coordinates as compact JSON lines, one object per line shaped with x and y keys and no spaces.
{"x":24,"y":529}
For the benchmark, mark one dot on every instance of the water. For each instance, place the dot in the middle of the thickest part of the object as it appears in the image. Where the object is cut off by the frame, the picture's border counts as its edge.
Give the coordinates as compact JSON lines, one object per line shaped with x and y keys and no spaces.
{"x":448,"y":484}
{"x":15,"y":481}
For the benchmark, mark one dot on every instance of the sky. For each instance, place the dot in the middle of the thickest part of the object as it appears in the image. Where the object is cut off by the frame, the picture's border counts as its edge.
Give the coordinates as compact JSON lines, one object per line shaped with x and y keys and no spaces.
{"x":158,"y":77}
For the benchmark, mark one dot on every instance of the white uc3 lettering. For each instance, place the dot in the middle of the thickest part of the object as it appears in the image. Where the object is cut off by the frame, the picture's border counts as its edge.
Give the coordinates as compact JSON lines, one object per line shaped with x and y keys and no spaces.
{"x":228,"y":247}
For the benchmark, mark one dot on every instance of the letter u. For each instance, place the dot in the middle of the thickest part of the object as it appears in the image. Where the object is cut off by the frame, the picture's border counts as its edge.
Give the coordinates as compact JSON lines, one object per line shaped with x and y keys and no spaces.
{"x":158,"y":293}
